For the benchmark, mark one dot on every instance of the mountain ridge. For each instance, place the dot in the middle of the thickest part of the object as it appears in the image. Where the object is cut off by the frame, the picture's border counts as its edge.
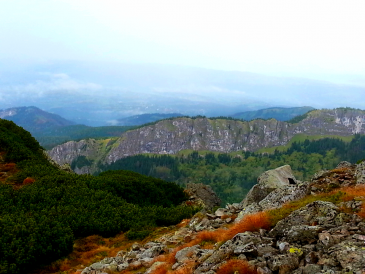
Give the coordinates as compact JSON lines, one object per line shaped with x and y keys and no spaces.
{"x":278,"y":113}
{"x":34,"y":119}
{"x":173,"y":135}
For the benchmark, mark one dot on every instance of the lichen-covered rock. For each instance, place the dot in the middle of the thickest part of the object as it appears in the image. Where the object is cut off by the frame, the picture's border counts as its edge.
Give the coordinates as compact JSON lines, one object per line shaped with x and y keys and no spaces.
{"x":283,"y":195}
{"x":303,"y":234}
{"x":318,"y":212}
{"x":250,"y":209}
{"x":351,"y":255}
{"x":153,"y":251}
{"x":268,"y":182}
{"x":360,"y":173}
{"x":283,"y":264}
{"x":185,"y":254}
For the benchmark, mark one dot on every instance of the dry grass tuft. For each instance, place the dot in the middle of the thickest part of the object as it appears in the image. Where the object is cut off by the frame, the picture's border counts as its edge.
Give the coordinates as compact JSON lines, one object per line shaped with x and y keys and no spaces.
{"x":161,"y":269}
{"x":251,"y":222}
{"x":236,"y":267}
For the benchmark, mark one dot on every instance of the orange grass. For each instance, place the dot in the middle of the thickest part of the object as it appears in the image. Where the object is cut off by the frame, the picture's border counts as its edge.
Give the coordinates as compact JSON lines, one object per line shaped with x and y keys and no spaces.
{"x":236,"y":267}
{"x":352,"y":192}
{"x":164,"y":269}
{"x":252,"y":222}
{"x":161,"y":269}
{"x":361,"y":213}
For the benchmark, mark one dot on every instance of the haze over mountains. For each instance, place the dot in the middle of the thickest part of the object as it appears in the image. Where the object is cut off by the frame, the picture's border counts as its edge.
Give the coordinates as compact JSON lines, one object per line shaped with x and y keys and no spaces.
{"x":97,"y":93}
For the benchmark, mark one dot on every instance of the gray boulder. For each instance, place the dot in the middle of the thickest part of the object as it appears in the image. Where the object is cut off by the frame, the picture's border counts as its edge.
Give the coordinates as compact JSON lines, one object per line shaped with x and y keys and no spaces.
{"x":268,"y":182}
{"x":202,"y":195}
{"x":283,"y":195}
{"x":319,"y":213}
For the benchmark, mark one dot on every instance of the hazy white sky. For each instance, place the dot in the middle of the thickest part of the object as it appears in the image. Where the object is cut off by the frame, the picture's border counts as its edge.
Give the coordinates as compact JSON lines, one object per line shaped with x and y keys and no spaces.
{"x":291,"y":37}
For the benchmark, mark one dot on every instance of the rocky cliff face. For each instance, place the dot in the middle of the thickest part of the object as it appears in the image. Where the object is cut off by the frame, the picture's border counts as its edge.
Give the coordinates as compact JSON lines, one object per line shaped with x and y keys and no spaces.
{"x":172,"y":136}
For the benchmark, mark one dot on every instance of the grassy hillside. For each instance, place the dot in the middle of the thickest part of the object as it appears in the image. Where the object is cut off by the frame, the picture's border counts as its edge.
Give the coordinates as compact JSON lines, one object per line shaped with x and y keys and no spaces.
{"x":44,"y":209}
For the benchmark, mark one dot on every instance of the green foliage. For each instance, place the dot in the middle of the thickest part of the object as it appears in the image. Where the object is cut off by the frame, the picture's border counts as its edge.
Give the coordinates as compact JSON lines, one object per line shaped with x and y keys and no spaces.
{"x":299,"y":118}
{"x":57,"y":135}
{"x":280,"y":114}
{"x":232,"y":175}
{"x":38,"y":222}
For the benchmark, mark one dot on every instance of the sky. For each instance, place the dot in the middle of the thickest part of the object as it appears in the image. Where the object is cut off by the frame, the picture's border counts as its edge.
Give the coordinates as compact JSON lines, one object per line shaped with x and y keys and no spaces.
{"x":312,"y":38}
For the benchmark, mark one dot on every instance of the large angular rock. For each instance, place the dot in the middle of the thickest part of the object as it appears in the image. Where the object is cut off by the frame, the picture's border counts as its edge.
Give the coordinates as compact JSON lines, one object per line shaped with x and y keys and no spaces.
{"x":203,"y":195}
{"x":283,"y":195}
{"x":268,"y":182}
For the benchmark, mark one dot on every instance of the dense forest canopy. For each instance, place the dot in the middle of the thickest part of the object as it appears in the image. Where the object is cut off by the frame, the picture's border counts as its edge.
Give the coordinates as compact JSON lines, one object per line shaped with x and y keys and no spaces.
{"x":43,"y":209}
{"x":232,"y":175}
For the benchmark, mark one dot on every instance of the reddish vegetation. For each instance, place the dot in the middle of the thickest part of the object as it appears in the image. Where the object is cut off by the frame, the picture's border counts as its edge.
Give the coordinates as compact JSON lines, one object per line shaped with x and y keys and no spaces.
{"x":160,"y":270}
{"x":8,"y":167}
{"x":28,"y":181}
{"x":252,"y":222}
{"x":352,"y":192}
{"x":236,"y":267}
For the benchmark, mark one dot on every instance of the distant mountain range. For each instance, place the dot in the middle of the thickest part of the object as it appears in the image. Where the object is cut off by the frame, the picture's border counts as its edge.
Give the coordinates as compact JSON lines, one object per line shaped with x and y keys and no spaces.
{"x":280,"y":114}
{"x":137,"y":120}
{"x":34,"y":119}
{"x":98,"y":93}
{"x":51,"y":129}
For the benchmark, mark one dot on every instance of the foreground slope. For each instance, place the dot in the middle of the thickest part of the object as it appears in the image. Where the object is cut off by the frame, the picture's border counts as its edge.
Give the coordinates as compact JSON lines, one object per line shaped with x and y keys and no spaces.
{"x":43,"y":209}
{"x":283,"y":226}
{"x":221,"y":135}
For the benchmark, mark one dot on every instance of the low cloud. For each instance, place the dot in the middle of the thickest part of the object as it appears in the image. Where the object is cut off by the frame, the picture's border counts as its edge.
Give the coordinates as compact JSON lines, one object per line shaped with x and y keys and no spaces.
{"x":50,"y":84}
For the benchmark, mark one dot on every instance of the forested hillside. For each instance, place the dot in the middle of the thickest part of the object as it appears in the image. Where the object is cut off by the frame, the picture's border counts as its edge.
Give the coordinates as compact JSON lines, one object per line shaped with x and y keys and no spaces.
{"x":44,"y":209}
{"x":232,"y":175}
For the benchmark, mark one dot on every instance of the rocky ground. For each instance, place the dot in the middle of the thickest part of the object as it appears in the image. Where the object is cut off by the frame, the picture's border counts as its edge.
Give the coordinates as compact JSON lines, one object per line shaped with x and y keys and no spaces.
{"x":282,"y":226}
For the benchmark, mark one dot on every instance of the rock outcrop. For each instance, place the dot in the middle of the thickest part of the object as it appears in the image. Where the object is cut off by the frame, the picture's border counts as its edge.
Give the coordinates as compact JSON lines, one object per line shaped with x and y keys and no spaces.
{"x":202,"y":195}
{"x":319,"y":237}
{"x":273,"y":189}
{"x":221,"y":135}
